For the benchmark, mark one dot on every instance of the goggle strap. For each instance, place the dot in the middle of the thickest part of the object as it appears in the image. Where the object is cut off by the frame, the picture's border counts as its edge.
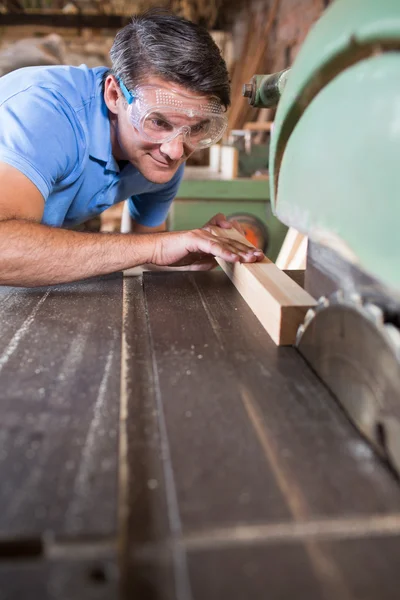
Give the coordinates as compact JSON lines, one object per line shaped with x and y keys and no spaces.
{"x":129,"y":97}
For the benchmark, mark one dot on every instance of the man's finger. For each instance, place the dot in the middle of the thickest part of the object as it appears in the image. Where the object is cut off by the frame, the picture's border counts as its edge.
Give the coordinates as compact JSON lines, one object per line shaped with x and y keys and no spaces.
{"x":224,"y":224}
{"x":233,"y":251}
{"x":219,"y":220}
{"x":236,"y":225}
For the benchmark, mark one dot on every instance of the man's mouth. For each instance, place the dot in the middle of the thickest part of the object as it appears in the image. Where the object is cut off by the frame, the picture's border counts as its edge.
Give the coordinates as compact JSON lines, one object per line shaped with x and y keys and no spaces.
{"x":163,"y":163}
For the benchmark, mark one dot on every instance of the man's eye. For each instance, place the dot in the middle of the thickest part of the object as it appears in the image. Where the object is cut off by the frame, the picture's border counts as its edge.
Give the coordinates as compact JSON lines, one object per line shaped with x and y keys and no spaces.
{"x":160,"y":124}
{"x":198,"y":128}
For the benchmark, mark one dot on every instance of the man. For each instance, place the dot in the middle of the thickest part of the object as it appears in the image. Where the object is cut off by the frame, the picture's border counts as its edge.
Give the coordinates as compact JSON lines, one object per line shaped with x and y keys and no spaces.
{"x":74,"y":141}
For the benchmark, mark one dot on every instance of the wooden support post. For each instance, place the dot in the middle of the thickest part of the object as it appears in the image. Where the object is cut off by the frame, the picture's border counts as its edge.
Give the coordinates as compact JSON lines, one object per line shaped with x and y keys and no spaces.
{"x":258,"y":126}
{"x":293,"y":253}
{"x":276,"y":300}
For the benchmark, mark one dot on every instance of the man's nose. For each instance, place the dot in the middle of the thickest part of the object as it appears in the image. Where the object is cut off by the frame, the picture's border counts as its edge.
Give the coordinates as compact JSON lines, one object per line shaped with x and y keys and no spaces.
{"x":174,"y":149}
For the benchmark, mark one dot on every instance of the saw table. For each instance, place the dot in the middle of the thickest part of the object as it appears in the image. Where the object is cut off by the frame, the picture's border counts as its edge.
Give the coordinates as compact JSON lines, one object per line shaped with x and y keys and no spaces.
{"x":156,"y":444}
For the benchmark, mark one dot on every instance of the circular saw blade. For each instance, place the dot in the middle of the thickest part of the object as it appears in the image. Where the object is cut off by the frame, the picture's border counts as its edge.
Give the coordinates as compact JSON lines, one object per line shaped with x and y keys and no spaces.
{"x":357,"y":356}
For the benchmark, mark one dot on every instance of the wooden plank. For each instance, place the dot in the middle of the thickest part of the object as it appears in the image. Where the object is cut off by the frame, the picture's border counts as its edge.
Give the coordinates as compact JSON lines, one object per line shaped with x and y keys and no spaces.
{"x":276,"y":300}
{"x":332,"y":465}
{"x":229,"y":165}
{"x":359,"y":568}
{"x":59,"y":406}
{"x":347,"y":569}
{"x":297,"y":275}
{"x":258,"y":126}
{"x":77,"y":575}
{"x":293,"y":253}
{"x":250,"y":458}
{"x":299,"y":260}
{"x":60,"y":19}
{"x":214,"y":453}
{"x":143,"y":495}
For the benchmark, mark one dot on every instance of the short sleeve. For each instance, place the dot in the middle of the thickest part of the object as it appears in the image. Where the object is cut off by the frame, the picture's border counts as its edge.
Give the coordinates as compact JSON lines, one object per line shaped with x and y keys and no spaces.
{"x":39,"y":135}
{"x":151,"y":208}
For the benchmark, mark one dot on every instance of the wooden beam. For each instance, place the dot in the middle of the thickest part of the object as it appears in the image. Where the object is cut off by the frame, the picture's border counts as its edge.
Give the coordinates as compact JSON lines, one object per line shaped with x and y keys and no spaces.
{"x":293,"y":253}
{"x":60,"y":19}
{"x":258,"y":126}
{"x":297,"y":275}
{"x":276,"y":300}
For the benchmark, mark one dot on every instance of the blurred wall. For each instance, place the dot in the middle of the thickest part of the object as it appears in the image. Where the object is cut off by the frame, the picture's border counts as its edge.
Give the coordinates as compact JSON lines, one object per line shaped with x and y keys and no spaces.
{"x":293,"y":21}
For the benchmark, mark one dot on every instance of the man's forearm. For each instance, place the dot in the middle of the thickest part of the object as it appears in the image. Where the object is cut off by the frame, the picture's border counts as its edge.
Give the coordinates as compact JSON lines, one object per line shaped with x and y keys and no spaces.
{"x":32,"y":254}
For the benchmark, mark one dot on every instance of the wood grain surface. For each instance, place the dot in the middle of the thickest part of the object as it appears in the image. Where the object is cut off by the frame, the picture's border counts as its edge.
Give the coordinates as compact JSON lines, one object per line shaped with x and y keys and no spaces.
{"x":276,"y":299}
{"x":155,"y":443}
{"x":59,"y":405}
{"x":252,"y":483}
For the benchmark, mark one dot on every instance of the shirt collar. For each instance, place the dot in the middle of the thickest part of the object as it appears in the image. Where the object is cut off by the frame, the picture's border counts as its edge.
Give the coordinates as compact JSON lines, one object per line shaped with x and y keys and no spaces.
{"x":100,"y":138}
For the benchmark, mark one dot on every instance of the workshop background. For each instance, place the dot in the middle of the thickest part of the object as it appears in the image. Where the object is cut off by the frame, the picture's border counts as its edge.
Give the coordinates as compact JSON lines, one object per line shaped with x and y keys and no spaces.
{"x":229,"y":434}
{"x":260,"y":36}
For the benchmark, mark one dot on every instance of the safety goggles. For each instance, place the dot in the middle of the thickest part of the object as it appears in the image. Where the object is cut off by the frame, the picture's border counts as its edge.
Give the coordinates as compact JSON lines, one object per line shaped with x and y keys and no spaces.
{"x":160,"y":115}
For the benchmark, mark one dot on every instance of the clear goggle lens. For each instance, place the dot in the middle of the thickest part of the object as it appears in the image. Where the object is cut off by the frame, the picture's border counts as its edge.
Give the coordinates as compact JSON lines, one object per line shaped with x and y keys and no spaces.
{"x":198,"y":131}
{"x":161,"y":115}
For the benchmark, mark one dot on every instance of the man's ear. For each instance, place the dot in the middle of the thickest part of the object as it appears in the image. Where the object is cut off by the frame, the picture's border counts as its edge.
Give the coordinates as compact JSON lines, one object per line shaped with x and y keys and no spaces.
{"x":111,"y":93}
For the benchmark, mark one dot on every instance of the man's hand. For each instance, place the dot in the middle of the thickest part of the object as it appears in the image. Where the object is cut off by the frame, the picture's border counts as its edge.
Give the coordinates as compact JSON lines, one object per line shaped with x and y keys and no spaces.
{"x":32,"y":254}
{"x":220,"y":220}
{"x":198,"y":249}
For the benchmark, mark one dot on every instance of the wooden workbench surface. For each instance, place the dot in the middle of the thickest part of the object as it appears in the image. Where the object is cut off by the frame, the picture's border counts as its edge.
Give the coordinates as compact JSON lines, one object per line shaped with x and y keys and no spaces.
{"x":238,"y":475}
{"x":59,"y":411}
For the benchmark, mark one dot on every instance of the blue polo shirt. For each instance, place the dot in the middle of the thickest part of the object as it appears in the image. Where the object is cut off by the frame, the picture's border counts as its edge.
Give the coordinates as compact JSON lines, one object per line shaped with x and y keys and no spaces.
{"x":54,"y":128}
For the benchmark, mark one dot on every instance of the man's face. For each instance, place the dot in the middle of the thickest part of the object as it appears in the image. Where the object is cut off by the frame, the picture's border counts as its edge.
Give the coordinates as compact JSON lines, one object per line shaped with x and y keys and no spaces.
{"x":158,"y":162}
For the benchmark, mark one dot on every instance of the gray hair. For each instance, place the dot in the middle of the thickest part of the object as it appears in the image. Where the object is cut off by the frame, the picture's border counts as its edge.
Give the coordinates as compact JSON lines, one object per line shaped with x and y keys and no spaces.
{"x":162,"y":44}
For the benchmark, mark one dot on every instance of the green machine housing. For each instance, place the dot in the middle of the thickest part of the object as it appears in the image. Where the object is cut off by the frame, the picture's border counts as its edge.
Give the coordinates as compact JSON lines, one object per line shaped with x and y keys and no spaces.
{"x":335,"y":176}
{"x":335,"y":149}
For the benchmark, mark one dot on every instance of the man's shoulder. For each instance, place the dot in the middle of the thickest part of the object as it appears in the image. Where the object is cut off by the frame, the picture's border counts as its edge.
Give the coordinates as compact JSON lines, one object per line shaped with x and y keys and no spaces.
{"x":76,"y":85}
